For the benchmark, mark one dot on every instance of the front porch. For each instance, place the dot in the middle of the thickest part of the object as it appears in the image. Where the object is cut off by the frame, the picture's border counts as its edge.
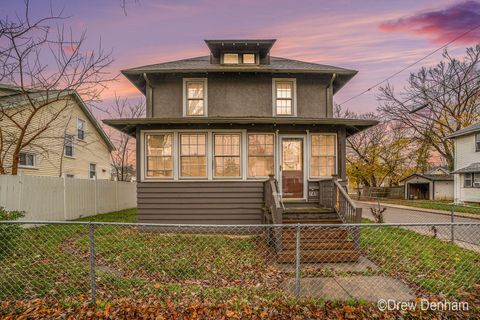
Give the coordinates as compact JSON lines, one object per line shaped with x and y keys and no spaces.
{"x":332,"y":206}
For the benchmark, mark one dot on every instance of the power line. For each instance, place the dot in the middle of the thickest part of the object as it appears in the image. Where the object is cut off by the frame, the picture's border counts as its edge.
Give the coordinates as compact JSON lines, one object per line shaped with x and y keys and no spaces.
{"x":409,"y":66}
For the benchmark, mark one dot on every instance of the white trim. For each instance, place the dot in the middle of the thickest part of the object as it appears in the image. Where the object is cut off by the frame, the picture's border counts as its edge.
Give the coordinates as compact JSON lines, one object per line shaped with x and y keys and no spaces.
{"x":96,"y":171}
{"x":26,"y":166}
{"x":144,"y":156}
{"x":178,"y":139}
{"x":274,"y":97}
{"x":84,"y":129}
{"x":309,"y":153}
{"x":205,"y":96}
{"x":302,"y":136}
{"x":248,"y":154}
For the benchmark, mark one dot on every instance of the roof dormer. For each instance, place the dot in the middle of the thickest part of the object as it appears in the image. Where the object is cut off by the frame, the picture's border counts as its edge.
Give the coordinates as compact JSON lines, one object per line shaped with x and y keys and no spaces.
{"x":240,"y":52}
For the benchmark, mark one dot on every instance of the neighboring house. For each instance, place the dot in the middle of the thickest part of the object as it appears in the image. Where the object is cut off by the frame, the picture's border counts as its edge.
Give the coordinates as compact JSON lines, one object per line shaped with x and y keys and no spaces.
{"x":74,"y":145}
{"x":433,"y":185}
{"x":217,"y":126}
{"x":467,"y":163}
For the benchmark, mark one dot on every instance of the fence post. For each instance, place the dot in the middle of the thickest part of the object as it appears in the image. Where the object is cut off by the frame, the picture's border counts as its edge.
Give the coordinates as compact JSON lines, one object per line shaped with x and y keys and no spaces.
{"x":64,"y":198}
{"x":452,"y":220}
{"x":93,"y":287}
{"x":297,"y":263}
{"x":356,"y":230}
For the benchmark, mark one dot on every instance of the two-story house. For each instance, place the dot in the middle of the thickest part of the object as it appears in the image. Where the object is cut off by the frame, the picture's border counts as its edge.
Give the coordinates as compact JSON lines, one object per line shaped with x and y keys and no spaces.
{"x":218,"y":126}
{"x":467,"y":163}
{"x":68,"y":140}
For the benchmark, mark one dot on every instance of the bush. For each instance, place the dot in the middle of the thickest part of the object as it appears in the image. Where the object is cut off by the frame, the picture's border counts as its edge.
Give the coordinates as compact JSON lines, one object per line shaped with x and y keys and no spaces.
{"x":9,"y":232}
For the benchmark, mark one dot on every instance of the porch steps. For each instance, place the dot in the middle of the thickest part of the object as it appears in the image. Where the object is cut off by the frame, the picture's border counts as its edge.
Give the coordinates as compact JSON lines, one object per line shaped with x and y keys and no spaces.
{"x":317,"y":245}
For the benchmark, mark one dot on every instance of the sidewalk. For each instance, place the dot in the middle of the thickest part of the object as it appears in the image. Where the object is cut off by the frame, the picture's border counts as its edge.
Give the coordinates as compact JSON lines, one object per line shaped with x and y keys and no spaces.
{"x":435,"y":211}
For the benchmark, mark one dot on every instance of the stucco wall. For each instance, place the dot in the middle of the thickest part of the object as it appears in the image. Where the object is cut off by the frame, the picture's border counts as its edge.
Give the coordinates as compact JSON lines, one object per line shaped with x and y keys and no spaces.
{"x":241,"y":95}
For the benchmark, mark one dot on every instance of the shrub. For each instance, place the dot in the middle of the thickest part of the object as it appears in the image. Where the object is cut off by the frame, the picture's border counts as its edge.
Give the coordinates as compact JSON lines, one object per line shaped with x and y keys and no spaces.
{"x":9,"y":232}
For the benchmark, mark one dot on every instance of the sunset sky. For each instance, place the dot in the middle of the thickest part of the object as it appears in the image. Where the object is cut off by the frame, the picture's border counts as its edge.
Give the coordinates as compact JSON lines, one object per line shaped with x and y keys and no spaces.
{"x":377,"y":38}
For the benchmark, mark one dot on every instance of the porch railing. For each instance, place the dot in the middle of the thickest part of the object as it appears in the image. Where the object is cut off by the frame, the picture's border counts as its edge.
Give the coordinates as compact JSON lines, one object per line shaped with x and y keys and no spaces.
{"x":273,"y":201}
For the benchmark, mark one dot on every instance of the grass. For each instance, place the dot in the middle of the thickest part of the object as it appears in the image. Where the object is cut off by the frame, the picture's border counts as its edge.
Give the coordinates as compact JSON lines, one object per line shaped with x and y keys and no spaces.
{"x":53,"y":261}
{"x":436,"y":205}
{"x":432,"y":265}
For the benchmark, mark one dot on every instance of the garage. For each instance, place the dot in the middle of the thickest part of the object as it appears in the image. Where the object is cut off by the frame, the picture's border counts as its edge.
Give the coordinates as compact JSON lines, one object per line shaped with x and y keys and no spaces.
{"x":429,"y":187}
{"x":418,"y":191}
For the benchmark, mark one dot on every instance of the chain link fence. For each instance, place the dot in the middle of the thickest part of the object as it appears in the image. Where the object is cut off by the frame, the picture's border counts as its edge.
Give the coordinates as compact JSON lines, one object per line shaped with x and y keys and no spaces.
{"x":363,"y":262}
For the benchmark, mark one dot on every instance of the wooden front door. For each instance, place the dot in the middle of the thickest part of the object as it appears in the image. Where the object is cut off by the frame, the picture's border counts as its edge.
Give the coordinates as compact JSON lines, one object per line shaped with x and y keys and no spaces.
{"x":292,"y":167}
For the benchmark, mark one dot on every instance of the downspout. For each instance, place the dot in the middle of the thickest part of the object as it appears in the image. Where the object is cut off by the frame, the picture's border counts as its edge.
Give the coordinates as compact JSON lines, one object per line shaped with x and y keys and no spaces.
{"x":328,"y":95}
{"x":149,"y":96}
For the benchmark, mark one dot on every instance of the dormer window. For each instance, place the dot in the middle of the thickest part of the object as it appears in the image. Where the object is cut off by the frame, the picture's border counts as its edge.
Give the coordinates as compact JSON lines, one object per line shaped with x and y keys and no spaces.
{"x":230,"y":58}
{"x":239,"y":58}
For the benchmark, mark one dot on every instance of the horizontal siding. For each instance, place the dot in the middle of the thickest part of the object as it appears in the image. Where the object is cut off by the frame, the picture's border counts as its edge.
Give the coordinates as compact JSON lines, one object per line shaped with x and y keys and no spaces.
{"x":200,"y":202}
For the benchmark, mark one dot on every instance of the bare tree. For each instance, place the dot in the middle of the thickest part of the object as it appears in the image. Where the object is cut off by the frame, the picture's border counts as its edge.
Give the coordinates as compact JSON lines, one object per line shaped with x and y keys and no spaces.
{"x":123,"y":158}
{"x":449,"y":97}
{"x":45,"y":64}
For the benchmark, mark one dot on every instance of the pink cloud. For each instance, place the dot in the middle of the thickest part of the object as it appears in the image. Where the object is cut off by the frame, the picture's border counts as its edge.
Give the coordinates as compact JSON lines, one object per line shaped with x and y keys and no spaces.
{"x":441,"y":26}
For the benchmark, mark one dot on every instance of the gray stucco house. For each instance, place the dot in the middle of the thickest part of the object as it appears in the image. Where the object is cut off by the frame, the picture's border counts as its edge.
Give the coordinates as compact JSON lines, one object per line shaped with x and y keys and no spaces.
{"x":218,"y":126}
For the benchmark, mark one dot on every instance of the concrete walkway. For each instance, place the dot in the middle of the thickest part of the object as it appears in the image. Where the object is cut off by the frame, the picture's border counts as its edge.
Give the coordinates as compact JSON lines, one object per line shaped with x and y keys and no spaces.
{"x":465,"y":236}
{"x":368,"y":288}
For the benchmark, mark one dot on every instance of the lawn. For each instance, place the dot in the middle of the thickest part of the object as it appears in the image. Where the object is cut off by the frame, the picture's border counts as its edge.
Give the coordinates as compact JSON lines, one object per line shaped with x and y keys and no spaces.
{"x":436,"y":205}
{"x":53,"y":262}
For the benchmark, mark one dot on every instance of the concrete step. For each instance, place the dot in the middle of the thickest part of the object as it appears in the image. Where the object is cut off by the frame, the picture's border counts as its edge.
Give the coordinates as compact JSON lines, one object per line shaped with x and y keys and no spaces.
{"x":319,"y":245}
{"x":319,"y":256}
{"x":311,"y":221}
{"x":315,"y":233}
{"x":298,"y":203}
{"x":308,"y":210}
{"x":316,"y":216}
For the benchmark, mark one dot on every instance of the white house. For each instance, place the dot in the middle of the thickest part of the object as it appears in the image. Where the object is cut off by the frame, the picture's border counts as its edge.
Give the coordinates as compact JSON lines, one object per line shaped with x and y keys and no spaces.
{"x":467,"y":163}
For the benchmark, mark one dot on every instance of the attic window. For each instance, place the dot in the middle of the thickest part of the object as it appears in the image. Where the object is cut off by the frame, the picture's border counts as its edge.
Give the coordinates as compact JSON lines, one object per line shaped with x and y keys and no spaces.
{"x":249,"y":58}
{"x":230,"y":58}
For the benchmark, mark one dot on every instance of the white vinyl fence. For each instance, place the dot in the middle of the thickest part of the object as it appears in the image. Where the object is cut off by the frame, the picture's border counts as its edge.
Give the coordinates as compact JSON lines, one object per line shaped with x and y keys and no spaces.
{"x":53,"y":198}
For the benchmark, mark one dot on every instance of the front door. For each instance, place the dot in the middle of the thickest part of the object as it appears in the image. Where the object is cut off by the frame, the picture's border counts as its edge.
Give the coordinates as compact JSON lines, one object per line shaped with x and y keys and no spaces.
{"x":292,"y":167}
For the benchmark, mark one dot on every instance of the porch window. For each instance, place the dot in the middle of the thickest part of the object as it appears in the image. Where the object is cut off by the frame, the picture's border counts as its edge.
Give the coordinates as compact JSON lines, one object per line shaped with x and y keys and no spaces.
{"x":260,"y":155}
{"x":193,"y":155}
{"x":322,"y":155}
{"x":226,"y":155}
{"x":159,"y":155}
{"x":468,"y":180}
{"x":477,"y":142}
{"x":195,"y":97}
{"x":284,"y":97}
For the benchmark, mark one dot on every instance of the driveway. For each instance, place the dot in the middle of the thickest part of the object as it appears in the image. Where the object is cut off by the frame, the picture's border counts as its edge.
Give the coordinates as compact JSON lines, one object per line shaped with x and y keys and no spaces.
{"x":468,"y":234}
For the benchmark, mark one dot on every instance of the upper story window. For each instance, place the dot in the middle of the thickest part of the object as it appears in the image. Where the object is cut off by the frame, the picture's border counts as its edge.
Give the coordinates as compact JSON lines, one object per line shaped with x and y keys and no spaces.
{"x":284,"y":97}
{"x":26,"y":159}
{"x":195,"y":97}
{"x":69,"y":145}
{"x":81,"y":124}
{"x":477,"y":142}
{"x":248,"y":58}
{"x":159,"y":155}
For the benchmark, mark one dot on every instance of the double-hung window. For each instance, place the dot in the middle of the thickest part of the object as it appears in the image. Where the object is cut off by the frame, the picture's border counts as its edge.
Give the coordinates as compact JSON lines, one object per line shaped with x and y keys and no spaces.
{"x":468,"y":180}
{"x":477,"y":142}
{"x":226,"y":155}
{"x":159,"y":155}
{"x":26,"y":159}
{"x":81,"y":129}
{"x":476,"y":180}
{"x":284,"y":97}
{"x":193,"y":155}
{"x":260,"y":154}
{"x":69,"y":145}
{"x":92,"y":170}
{"x":195,"y":93}
{"x":322,"y":155}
